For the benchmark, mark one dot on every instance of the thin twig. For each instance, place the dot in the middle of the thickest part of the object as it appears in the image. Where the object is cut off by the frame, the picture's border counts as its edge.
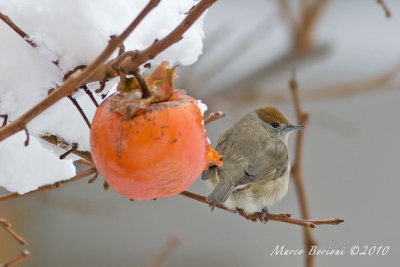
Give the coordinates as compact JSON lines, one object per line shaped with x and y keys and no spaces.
{"x":77,"y":81}
{"x":84,"y":87}
{"x":73,"y":71}
{"x":257,"y":216}
{"x":78,"y":176}
{"x":5,"y":119}
{"x":52,"y":139}
{"x":17,"y":29}
{"x":7,"y":226}
{"x":385,"y":8}
{"x":91,"y":96}
{"x":23,"y":255}
{"x":169,"y":246}
{"x":84,"y":162}
{"x":74,"y":147}
{"x":27,"y":136}
{"x":102,"y":86}
{"x":302,"y":118}
{"x":78,"y":107}
{"x":91,"y":180}
{"x":106,"y":186}
{"x":121,"y":48}
{"x":213,"y":117}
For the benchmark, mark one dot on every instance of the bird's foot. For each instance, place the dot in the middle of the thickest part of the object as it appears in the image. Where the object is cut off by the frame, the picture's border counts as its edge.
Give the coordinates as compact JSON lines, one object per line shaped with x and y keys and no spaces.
{"x":263,"y":215}
{"x":212,"y":206}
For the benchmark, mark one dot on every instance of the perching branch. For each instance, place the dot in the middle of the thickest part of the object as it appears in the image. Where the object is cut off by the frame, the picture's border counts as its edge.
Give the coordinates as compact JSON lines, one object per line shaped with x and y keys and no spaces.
{"x":302,"y":118}
{"x":286,"y":218}
{"x":75,"y":81}
{"x":7,"y":226}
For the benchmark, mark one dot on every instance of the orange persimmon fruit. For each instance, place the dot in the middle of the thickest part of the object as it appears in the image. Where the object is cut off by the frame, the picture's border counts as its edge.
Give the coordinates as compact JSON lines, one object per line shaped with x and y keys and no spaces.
{"x":152,"y":147}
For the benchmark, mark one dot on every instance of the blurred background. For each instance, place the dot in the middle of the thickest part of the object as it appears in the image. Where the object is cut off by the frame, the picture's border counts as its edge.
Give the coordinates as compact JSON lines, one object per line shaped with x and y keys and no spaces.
{"x":346,"y":55}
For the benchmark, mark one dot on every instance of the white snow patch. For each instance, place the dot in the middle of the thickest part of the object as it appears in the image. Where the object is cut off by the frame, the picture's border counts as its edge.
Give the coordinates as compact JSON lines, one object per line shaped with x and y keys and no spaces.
{"x":24,"y":169}
{"x":203,"y":107}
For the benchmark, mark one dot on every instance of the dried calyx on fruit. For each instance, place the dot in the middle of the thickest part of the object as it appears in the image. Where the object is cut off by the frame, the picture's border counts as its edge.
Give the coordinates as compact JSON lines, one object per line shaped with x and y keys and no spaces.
{"x":134,"y":95}
{"x":154,"y":146}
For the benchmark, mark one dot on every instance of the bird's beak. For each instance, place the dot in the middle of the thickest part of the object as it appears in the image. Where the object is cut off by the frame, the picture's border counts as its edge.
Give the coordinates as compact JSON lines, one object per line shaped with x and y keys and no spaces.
{"x":290,"y":128}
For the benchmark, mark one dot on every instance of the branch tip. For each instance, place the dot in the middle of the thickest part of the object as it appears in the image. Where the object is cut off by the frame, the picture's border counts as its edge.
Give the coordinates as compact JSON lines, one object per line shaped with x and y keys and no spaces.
{"x":27,"y":137}
{"x":7,"y":226}
{"x":385,"y":8}
{"x":213,"y":117}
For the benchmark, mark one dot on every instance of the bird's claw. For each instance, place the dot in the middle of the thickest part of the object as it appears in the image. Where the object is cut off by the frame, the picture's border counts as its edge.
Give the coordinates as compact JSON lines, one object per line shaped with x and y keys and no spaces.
{"x":212,"y":206}
{"x":263,"y":215}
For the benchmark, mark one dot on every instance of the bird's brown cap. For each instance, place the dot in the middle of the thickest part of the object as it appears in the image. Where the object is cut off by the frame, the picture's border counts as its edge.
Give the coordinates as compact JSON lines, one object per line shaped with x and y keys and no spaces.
{"x":270,"y":115}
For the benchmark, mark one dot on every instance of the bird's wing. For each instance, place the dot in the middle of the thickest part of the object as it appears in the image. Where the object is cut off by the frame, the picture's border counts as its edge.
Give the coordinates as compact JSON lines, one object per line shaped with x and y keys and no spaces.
{"x":269,"y":162}
{"x":220,"y":148}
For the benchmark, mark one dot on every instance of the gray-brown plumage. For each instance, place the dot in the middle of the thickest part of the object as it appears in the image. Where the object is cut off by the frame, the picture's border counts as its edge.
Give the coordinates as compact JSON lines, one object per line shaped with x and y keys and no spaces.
{"x":256,"y":165}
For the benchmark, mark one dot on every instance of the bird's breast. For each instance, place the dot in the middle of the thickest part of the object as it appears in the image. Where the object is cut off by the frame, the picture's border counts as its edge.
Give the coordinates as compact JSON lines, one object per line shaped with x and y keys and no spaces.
{"x":263,"y":194}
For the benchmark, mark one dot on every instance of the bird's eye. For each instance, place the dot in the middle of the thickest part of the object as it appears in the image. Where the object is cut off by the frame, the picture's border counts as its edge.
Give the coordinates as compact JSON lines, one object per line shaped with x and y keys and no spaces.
{"x":275,"y":124}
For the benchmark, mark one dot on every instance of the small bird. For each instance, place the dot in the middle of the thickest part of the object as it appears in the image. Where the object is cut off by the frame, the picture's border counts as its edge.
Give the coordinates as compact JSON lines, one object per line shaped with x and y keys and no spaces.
{"x":256,"y":166}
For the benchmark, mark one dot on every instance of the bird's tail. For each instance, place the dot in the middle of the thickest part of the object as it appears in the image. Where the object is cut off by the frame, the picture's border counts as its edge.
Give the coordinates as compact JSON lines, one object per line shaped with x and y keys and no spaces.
{"x":221,"y":193}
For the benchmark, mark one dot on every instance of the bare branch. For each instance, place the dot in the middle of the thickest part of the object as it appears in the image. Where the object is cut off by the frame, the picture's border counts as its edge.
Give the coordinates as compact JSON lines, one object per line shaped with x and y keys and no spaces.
{"x":286,"y":218}
{"x":23,"y":255}
{"x":302,"y":118}
{"x":385,"y":8}
{"x":213,"y":117}
{"x":7,"y":226}
{"x":169,"y":246}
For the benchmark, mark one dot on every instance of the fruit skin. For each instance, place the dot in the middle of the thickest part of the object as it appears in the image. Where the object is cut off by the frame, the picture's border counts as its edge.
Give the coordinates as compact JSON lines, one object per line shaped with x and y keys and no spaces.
{"x":158,"y":153}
